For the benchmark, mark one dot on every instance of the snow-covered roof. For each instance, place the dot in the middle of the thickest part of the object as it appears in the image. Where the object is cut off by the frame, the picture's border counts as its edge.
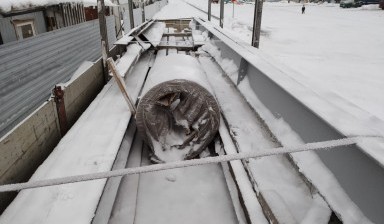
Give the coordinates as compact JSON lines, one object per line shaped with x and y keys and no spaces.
{"x":10,"y":5}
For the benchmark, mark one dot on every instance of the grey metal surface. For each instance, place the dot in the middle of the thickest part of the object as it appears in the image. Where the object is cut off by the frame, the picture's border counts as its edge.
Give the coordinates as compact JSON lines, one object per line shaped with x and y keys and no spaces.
{"x":137,"y":18}
{"x":30,"y":68}
{"x":360,"y":176}
{"x":7,"y":29}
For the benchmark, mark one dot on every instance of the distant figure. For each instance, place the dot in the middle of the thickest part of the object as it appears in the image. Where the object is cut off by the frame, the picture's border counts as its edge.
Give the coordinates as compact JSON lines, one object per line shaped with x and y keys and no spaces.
{"x":303,"y":9}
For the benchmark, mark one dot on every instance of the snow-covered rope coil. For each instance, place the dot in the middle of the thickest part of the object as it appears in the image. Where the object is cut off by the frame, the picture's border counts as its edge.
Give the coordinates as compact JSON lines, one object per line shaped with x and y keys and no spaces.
{"x":180,"y":164}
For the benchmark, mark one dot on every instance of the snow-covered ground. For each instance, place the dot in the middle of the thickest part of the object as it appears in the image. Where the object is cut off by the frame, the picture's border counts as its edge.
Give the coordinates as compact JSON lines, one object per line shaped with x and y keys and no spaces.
{"x":332,"y":49}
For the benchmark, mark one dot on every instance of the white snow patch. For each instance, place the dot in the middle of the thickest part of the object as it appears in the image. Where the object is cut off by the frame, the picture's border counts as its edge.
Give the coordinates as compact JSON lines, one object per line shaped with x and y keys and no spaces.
{"x":128,"y":59}
{"x":226,"y":64}
{"x":155,"y":33}
{"x":277,"y":180}
{"x":309,"y":163}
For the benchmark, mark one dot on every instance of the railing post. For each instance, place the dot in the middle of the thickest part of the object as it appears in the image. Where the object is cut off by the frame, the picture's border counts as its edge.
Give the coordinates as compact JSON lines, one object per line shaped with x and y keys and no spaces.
{"x":58,"y":94}
{"x":116,"y":14}
{"x":221,"y":13}
{"x":257,"y":23}
{"x":104,"y":37}
{"x":142,"y":11}
{"x":130,"y":12}
{"x":209,"y":9}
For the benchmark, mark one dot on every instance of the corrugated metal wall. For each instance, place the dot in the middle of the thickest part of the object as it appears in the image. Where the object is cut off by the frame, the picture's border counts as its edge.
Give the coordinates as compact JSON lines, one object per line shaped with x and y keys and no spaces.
{"x":30,"y":68}
{"x":8,"y":31}
{"x":150,"y":11}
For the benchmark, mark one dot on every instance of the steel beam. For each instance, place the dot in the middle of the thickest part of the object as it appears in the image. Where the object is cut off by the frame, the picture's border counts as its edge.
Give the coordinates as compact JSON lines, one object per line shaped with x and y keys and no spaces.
{"x":257,"y":23}
{"x":177,"y":34}
{"x":209,"y":9}
{"x":130,"y":12}
{"x":221,"y":13}
{"x":360,"y":175}
{"x":104,"y":37}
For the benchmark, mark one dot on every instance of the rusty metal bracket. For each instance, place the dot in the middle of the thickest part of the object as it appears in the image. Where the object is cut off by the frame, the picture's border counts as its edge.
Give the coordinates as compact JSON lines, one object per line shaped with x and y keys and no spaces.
{"x":58,"y":94}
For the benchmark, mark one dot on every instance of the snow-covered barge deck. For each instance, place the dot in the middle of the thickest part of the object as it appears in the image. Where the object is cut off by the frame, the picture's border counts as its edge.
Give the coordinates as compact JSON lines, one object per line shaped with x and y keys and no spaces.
{"x":295,"y":188}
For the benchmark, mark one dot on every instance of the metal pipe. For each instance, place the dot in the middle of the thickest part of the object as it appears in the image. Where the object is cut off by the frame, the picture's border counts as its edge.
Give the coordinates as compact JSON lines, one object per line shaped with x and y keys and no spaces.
{"x":142,"y":12}
{"x":130,"y":12}
{"x":221,"y":13}
{"x":209,"y":9}
{"x":257,"y":23}
{"x":60,"y":107}
{"x":104,"y":37}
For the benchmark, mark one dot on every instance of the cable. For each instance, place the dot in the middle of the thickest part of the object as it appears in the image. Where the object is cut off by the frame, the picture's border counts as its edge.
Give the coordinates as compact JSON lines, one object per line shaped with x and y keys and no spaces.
{"x":180,"y":164}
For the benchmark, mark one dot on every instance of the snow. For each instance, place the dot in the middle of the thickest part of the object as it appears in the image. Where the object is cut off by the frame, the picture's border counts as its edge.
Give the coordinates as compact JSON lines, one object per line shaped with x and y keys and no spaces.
{"x":89,"y":146}
{"x":340,"y":50}
{"x":9,"y":5}
{"x":128,"y":59}
{"x":339,"y":55}
{"x":124,"y":40}
{"x":155,"y":33}
{"x":183,"y":67}
{"x":177,"y":9}
{"x":226,"y":64}
{"x":189,"y":195}
{"x":324,"y":103}
{"x":308,"y":162}
{"x":277,"y":180}
{"x":241,"y":177}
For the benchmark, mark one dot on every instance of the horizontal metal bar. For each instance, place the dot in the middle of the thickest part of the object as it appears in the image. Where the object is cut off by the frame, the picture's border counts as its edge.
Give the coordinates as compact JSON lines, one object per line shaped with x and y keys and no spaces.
{"x":180,"y":48}
{"x":177,"y":34}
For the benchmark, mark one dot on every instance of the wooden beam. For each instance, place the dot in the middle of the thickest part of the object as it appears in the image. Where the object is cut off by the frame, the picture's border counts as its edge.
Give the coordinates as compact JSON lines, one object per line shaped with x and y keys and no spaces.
{"x":130,"y":12}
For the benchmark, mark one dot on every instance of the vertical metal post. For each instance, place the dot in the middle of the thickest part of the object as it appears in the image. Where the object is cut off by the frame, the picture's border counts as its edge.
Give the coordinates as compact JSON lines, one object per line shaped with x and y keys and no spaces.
{"x":58,"y":94}
{"x":233,"y":9}
{"x":104,"y":37}
{"x":116,"y":14}
{"x":221,"y":13}
{"x":209,"y":9}
{"x":142,"y":11}
{"x":257,"y":23}
{"x":130,"y":12}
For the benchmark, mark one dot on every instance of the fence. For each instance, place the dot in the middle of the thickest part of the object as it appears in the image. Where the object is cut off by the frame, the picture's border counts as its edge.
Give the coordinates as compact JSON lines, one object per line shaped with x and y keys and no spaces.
{"x":149,"y":11}
{"x":30,"y":68}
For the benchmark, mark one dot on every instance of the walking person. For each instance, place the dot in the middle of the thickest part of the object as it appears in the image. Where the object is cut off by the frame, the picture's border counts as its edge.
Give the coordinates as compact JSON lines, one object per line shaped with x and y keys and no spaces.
{"x":303,"y":9}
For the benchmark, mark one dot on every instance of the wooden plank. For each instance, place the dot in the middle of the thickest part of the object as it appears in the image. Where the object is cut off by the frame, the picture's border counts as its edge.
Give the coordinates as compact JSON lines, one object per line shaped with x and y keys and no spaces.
{"x":121,"y":84}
